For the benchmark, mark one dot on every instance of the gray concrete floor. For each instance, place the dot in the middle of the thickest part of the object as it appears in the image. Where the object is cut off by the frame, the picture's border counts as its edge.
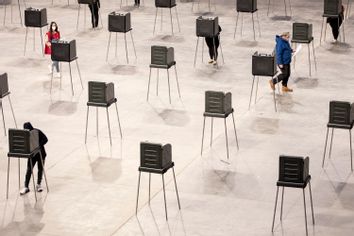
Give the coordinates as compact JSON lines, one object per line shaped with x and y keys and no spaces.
{"x":93,"y":187}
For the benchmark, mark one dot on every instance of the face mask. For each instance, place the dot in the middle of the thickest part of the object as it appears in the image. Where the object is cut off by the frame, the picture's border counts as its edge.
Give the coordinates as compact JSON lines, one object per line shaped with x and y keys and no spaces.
{"x":54,"y":28}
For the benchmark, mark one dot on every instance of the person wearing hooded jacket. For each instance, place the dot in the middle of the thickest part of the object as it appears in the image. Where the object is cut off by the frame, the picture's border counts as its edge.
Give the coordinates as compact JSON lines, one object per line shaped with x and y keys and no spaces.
{"x":283,"y":52}
{"x":36,"y":159}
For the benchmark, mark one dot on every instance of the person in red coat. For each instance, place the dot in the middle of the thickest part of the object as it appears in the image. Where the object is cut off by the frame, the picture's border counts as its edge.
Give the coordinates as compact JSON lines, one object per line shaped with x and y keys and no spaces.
{"x":52,"y":34}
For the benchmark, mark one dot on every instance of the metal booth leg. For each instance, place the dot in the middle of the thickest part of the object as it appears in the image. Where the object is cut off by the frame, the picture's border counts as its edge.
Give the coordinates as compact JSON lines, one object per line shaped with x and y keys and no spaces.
{"x":78,"y":71}
{"x":32,"y":175}
{"x":282,"y":203}
{"x":309,"y":57}
{"x":249,"y":104}
{"x":109,"y":127}
{"x":131,"y":36}
{"x":41,"y":37}
{"x":313,"y":215}
{"x":109,"y":43}
{"x":116,"y":46}
{"x":331,"y":144}
{"x":201,"y":149}
{"x":196,"y":51}
{"x":259,"y":26}
{"x":24,"y":50}
{"x":157,"y":81}
{"x":325,"y":148}
{"x":254,"y":31}
{"x":120,"y":127}
{"x":227,"y":143}
{"x":179,"y":27}
{"x":51,"y":80}
{"x":8,"y":178}
{"x":155,"y":21}
{"x":179,"y":92}
{"x":44,"y":173}
{"x":149,"y":187}
{"x":126,"y":47}
{"x":351,"y":150}
{"x":71,"y":80}
{"x":256,"y":95}
{"x":233,"y":119}
{"x":171,"y":21}
{"x":323,"y":22}
{"x":137,"y":196}
{"x":169,"y":89}
{"x":236,"y":24}
{"x":164,"y":195}
{"x":174,"y":178}
{"x":211,"y":131}
{"x":12,"y":110}
{"x":97,"y":122}
{"x":147,"y":95}
{"x":303,"y":193}
{"x":222,"y":54}
{"x":276,"y":203}
{"x":87,"y":118}
{"x":78,"y":18}
{"x":3,"y":117}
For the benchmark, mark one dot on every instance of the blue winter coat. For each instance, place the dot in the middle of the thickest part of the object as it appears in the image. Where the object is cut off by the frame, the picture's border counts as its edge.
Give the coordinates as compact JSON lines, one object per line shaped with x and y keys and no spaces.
{"x":283,"y":51}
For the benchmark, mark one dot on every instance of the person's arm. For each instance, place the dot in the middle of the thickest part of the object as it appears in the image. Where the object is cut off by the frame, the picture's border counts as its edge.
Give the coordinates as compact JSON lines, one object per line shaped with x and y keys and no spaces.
{"x":46,"y":40}
{"x":42,"y":138}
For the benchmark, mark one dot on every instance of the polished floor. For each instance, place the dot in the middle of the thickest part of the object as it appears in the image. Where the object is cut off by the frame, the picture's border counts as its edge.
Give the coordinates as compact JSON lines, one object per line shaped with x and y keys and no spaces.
{"x":93,"y":187}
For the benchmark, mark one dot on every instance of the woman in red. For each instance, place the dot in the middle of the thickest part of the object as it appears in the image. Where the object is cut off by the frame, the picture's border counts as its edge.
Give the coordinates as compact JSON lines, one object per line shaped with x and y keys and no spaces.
{"x":52,"y":34}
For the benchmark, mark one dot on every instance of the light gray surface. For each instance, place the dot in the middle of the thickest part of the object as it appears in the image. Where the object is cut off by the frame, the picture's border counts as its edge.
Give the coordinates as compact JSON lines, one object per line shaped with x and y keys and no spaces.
{"x":93,"y":187}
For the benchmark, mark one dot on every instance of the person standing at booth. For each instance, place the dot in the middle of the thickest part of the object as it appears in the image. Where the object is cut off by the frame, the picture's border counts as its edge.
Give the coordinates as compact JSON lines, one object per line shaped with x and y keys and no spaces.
{"x":335,"y":23}
{"x":52,"y":34}
{"x":36,"y":159}
{"x":213,"y":51}
{"x":94,"y":8}
{"x":136,"y":3}
{"x":283,"y":52}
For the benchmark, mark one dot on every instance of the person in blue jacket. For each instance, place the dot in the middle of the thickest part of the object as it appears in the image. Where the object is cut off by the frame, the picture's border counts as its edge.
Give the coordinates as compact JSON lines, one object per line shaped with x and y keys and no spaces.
{"x":283,"y":52}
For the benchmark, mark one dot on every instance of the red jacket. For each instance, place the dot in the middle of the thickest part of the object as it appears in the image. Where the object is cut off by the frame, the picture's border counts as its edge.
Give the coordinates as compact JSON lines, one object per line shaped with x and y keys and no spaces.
{"x":50,"y":36}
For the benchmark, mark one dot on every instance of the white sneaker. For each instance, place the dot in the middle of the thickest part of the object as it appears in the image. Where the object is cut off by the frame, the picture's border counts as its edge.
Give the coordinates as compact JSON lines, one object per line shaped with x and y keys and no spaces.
{"x":39,"y":188}
{"x":24,"y":191}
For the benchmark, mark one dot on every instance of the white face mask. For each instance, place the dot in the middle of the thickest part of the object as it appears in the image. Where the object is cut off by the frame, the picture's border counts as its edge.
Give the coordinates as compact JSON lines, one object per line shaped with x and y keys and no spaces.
{"x":54,"y":28}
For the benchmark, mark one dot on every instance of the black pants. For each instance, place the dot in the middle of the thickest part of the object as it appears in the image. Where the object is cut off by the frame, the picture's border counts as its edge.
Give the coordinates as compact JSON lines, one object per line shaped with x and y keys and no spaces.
{"x":213,"y":52}
{"x":137,"y":2}
{"x":284,"y":76}
{"x":335,"y":23}
{"x":35,"y":159}
{"x":94,"y":14}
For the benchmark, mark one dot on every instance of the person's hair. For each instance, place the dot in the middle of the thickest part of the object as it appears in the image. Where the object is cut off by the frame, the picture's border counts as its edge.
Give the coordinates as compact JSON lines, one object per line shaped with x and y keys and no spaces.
{"x":285,"y":34}
{"x":56,"y":27}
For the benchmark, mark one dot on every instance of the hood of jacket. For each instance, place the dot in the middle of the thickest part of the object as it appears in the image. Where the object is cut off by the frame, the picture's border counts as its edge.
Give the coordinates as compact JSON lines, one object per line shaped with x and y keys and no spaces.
{"x":28,"y":125}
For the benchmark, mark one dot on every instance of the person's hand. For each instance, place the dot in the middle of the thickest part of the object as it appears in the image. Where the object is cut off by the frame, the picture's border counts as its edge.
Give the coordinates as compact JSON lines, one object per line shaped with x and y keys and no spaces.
{"x":281,"y":66}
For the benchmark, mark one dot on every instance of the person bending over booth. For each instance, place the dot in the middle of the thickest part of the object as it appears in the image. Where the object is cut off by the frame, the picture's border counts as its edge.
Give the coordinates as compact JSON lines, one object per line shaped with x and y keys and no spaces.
{"x":36,"y":159}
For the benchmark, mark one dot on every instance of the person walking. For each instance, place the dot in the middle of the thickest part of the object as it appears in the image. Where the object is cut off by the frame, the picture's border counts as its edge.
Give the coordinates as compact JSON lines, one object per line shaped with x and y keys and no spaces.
{"x":94,"y":8}
{"x":52,"y":34}
{"x":335,"y":23}
{"x":283,"y":52}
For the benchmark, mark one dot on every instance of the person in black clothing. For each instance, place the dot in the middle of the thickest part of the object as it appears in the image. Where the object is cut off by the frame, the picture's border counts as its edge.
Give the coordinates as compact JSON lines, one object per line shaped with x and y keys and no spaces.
{"x":36,"y":159}
{"x":335,"y":23}
{"x":137,"y":3}
{"x":94,"y":13}
{"x":213,"y":52}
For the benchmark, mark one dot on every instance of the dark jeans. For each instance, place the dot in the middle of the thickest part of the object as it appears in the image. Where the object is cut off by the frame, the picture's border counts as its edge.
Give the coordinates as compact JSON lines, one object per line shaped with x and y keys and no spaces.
{"x":35,"y":159}
{"x":284,"y":76}
{"x":335,"y":23}
{"x":213,"y":52}
{"x":137,"y":2}
{"x":94,"y":14}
